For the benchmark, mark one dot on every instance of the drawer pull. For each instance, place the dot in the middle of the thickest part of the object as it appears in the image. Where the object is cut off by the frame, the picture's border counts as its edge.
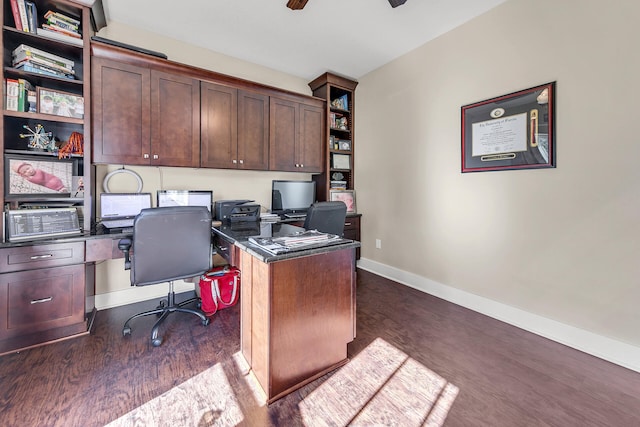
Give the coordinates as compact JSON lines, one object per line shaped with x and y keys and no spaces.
{"x":346,"y":224}
{"x":221,"y":249}
{"x":38,"y":301}
{"x":41,"y":256}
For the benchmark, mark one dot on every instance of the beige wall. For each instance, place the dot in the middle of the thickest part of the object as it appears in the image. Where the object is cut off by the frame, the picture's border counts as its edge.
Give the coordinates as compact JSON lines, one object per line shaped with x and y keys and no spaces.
{"x":560,"y":243}
{"x":226,"y":184}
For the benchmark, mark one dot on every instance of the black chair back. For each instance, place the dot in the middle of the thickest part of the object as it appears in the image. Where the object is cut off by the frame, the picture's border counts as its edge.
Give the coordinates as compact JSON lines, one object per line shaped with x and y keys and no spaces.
{"x":326,"y":217}
{"x":170,"y":243}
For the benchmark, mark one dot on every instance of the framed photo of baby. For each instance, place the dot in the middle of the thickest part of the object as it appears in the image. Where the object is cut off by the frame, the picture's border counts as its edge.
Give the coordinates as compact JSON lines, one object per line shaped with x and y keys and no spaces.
{"x":31,"y":176}
{"x":60,"y":103}
{"x":348,"y":197}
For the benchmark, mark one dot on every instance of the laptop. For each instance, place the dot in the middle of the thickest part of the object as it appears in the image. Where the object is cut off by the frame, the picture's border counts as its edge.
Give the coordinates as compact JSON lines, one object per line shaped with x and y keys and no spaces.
{"x":118,"y":210}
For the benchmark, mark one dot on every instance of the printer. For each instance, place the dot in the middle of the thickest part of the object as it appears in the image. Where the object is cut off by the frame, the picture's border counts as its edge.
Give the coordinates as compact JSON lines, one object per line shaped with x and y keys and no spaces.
{"x":237,"y":210}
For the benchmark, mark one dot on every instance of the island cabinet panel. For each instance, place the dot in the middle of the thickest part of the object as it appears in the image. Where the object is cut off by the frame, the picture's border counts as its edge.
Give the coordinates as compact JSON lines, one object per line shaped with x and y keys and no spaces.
{"x":297,"y":317}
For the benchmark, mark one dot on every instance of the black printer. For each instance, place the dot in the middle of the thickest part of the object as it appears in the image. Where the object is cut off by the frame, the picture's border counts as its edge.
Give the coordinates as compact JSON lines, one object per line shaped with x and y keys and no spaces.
{"x":237,"y":210}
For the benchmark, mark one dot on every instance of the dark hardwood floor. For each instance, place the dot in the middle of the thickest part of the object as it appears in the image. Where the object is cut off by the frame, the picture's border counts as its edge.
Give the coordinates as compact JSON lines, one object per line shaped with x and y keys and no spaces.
{"x":504,"y":376}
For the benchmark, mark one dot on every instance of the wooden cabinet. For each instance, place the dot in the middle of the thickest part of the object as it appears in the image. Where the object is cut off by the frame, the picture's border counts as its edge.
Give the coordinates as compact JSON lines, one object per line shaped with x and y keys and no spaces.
{"x":297,"y":316}
{"x":295,"y":136}
{"x":42,"y":294}
{"x":234,"y":130}
{"x":144,"y":116}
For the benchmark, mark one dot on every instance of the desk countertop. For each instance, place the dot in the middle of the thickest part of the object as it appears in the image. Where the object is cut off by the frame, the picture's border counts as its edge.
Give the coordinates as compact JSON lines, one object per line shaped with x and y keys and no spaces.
{"x":239,"y":233}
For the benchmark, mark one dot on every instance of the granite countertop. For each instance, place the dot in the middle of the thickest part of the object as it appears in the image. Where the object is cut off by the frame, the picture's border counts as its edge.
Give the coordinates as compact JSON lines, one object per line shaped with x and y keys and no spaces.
{"x":239,"y":234}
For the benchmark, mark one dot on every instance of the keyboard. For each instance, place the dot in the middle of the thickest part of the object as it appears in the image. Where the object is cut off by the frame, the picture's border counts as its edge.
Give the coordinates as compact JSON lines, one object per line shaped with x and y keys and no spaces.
{"x":118,"y":223}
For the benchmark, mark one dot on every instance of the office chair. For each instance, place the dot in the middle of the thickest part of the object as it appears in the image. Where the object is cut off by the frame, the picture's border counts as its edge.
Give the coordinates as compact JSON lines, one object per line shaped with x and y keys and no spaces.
{"x":168,"y":243}
{"x":326,"y":217}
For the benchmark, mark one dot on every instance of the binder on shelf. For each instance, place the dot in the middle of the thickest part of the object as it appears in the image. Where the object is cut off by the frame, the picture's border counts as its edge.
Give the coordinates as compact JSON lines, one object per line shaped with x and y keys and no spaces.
{"x":12,"y":90}
{"x":32,"y":15}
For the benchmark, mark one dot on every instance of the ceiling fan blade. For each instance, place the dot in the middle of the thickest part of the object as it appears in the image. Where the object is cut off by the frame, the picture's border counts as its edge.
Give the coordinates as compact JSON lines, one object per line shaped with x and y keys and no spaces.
{"x":396,"y":3}
{"x":297,"y":4}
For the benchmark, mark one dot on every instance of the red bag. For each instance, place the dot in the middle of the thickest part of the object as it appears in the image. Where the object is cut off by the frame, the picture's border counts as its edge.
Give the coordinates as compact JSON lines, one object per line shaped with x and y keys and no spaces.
{"x":219,"y":288}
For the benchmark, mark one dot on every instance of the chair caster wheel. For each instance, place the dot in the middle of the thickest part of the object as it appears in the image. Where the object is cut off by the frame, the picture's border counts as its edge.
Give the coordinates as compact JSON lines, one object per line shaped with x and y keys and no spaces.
{"x":206,"y":321}
{"x":156,"y":342}
{"x":126,"y":331}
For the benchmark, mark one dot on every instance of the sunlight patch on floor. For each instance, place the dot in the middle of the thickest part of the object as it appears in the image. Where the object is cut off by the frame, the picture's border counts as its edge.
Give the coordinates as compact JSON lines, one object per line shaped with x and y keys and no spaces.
{"x":380,"y":386}
{"x":192,"y":403}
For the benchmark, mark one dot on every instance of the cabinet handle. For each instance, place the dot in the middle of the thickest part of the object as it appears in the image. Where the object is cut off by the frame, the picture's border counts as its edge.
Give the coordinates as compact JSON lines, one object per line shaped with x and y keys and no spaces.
{"x":38,"y":301}
{"x":234,"y":161}
{"x":221,"y":249}
{"x":346,"y":224}
{"x":301,"y":165}
{"x":241,"y":162}
{"x":41,"y":256}
{"x":145,"y":156}
{"x":155,"y":157}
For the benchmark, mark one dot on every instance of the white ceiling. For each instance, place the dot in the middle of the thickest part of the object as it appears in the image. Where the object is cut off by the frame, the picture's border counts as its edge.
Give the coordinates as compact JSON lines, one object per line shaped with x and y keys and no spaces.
{"x":347,"y":37}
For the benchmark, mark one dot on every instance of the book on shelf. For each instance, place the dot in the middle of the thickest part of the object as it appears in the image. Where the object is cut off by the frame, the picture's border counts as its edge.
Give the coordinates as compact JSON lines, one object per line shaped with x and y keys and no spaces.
{"x":16,"y":15}
{"x":32,"y":67}
{"x":42,"y":63}
{"x":32,"y":15}
{"x":338,"y":185}
{"x":60,"y":36}
{"x":22,"y":9}
{"x":12,"y":91}
{"x":341,"y":102}
{"x":32,"y":101}
{"x":57,"y":29}
{"x":23,"y":89}
{"x":62,"y":17}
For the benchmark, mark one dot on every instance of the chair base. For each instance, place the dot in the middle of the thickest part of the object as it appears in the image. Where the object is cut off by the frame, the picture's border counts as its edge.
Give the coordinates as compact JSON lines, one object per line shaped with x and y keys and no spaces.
{"x":163,"y":311}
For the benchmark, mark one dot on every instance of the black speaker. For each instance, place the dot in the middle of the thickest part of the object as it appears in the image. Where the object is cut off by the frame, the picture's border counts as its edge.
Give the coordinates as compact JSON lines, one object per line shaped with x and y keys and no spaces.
{"x":396,"y":3}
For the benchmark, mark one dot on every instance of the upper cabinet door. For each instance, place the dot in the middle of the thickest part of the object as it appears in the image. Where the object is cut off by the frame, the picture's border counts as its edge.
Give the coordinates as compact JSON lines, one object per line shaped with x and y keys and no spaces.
{"x":283,"y":135}
{"x":121,"y":119}
{"x":295,"y":137}
{"x":311,"y":148}
{"x":219,"y":131}
{"x":175,"y":120}
{"x":253,"y":130}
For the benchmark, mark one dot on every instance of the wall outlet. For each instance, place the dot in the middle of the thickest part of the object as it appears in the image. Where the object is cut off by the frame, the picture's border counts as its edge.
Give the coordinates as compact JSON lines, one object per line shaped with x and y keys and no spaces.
{"x":378,"y":244}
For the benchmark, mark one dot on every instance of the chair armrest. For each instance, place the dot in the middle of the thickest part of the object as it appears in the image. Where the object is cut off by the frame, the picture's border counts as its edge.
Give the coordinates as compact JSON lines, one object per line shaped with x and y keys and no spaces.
{"x":125,"y":246}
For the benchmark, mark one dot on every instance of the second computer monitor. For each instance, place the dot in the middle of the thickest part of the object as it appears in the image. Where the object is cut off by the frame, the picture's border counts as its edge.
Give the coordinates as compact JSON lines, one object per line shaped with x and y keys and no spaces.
{"x":185,"y":198}
{"x":292,"y":196}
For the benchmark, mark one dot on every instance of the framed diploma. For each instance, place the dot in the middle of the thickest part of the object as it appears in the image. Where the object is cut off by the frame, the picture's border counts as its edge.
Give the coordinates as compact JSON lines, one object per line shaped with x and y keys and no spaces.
{"x":514,"y":131}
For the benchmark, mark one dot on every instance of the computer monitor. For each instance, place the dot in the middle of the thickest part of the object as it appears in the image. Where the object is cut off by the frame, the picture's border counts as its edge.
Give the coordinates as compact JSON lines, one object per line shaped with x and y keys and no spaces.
{"x":185,"y":198}
{"x":292,"y":196}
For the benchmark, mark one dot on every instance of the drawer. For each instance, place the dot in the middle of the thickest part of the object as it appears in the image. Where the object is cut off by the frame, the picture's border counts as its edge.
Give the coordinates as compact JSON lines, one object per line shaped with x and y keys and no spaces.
{"x":227,"y":250}
{"x":39,"y":300}
{"x":41,"y":256}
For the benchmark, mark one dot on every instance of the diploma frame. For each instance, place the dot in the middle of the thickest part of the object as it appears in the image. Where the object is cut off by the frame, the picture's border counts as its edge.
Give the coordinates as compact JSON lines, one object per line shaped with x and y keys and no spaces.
{"x":514,"y":131}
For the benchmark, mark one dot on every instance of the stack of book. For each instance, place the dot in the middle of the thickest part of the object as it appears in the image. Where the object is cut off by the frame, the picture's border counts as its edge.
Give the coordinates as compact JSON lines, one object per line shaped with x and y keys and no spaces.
{"x":38,"y":61}
{"x":61,"y":27}
{"x":19,"y":95}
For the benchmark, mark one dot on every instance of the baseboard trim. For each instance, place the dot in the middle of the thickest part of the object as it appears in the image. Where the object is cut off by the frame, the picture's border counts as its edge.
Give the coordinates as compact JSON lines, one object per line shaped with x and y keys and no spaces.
{"x":137,"y":294}
{"x":608,"y":349}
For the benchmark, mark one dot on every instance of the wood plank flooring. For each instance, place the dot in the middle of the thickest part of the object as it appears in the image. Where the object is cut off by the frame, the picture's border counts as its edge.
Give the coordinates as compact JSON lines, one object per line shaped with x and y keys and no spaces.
{"x":504,"y":376}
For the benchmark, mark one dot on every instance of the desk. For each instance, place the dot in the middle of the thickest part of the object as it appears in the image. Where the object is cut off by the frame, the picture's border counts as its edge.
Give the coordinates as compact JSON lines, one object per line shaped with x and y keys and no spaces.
{"x":297,"y":310}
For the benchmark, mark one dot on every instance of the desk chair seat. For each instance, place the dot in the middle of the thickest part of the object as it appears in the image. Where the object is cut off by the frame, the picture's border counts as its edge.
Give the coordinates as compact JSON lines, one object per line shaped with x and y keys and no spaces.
{"x":168,"y":244}
{"x":326,"y":217}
